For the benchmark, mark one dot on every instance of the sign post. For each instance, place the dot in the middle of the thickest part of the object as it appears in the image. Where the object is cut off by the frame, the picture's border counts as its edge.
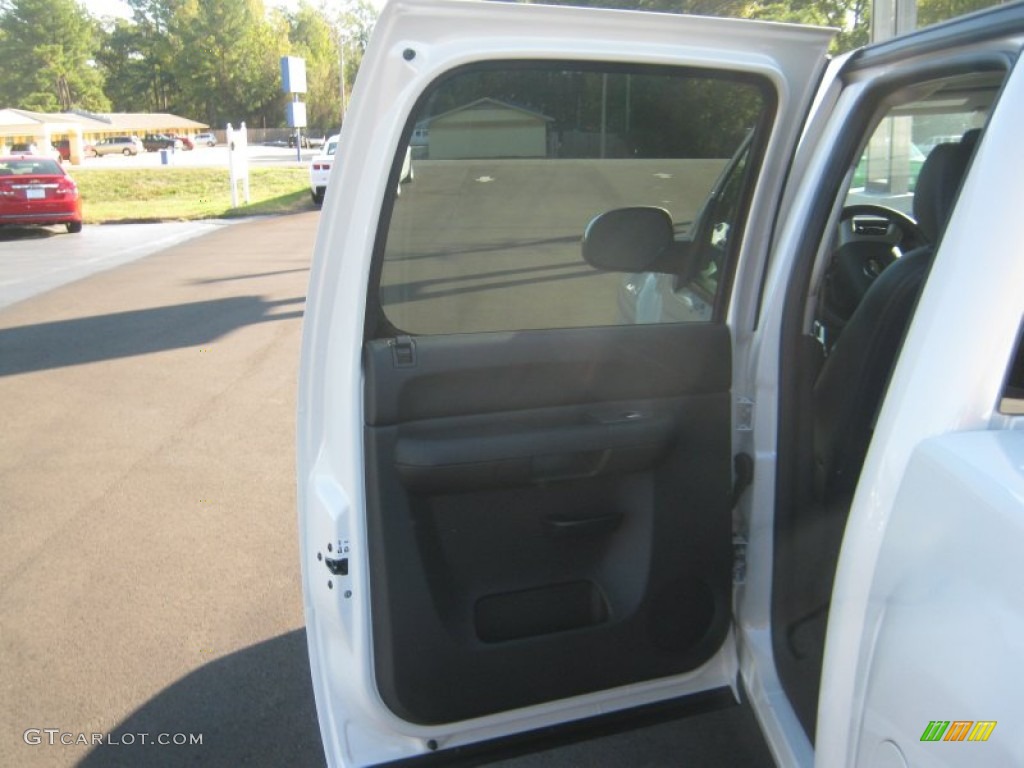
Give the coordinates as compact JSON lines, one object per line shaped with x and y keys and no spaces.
{"x":293,"y":81}
{"x":238,"y":162}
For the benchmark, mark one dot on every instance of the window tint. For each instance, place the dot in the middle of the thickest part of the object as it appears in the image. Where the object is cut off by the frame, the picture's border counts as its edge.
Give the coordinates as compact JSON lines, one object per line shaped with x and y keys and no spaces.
{"x":509,"y":165}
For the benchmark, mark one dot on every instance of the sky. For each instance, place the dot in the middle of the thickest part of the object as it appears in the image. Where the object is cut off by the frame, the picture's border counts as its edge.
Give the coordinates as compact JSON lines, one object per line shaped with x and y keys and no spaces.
{"x":101,"y":8}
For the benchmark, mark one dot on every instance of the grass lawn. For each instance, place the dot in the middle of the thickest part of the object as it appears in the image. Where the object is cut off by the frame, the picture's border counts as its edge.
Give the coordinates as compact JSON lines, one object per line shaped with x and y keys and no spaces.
{"x":169,"y":194}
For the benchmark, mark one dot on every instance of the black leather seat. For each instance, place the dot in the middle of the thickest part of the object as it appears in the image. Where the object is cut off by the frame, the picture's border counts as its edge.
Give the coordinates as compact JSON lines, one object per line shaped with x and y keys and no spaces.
{"x":849,"y":388}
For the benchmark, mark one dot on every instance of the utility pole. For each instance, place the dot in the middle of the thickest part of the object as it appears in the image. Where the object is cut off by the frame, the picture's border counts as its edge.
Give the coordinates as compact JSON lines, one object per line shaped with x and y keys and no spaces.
{"x":890,"y":18}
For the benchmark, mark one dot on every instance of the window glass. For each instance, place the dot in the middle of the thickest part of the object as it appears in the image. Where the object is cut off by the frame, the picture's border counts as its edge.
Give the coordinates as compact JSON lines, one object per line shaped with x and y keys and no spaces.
{"x":505,"y":168}
{"x":887,"y":171}
{"x":879,"y":224}
{"x":23,"y":167}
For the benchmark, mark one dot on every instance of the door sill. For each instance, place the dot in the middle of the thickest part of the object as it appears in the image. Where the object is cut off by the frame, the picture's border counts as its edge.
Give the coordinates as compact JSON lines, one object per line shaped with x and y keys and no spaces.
{"x":554,"y":737}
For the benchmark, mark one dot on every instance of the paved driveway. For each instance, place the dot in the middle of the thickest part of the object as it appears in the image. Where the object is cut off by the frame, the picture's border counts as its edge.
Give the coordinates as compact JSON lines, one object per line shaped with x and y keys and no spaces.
{"x":149,"y":577}
{"x":34,"y":260}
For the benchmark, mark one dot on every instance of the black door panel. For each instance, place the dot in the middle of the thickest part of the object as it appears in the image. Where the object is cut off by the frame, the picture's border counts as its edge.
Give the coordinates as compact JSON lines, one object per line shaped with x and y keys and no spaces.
{"x":547,"y":511}
{"x":480,"y":373}
{"x":539,"y":446}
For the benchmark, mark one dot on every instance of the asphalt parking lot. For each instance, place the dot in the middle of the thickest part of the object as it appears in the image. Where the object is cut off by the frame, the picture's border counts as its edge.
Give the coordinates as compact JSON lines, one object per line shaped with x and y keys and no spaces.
{"x":34,"y":260}
{"x":149,"y":580}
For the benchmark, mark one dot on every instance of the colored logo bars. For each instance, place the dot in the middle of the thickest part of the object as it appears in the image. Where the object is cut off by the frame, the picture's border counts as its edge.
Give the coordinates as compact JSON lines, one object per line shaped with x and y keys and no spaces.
{"x":958,"y":730}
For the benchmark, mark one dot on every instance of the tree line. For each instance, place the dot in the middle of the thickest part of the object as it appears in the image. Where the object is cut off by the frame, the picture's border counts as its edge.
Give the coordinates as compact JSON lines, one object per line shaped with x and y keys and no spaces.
{"x":218,"y":62}
{"x":851,"y":17}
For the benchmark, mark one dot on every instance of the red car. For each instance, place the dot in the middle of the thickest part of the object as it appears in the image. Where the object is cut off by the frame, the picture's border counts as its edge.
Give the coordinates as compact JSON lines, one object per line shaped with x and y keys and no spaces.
{"x":186,"y":142}
{"x":36,"y":190}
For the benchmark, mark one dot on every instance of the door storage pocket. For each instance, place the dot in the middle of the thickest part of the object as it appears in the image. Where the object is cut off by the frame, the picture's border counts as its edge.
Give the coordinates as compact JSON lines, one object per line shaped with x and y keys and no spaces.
{"x":539,"y":611}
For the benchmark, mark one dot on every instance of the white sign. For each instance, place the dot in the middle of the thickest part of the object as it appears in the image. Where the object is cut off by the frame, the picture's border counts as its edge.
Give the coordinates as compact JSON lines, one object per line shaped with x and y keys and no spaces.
{"x":293,"y":74}
{"x":238,"y":162}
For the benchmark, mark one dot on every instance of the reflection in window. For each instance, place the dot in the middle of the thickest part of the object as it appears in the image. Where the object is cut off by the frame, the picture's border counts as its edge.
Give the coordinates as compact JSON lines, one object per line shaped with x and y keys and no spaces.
{"x":509,"y":166}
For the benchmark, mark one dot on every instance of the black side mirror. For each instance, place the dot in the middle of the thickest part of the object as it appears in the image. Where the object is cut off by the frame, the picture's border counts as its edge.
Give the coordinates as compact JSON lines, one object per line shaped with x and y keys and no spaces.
{"x":629,"y":239}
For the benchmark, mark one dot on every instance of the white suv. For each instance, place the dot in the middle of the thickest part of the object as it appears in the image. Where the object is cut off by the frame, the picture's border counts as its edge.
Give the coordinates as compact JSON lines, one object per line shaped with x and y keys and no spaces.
{"x":788,"y":458}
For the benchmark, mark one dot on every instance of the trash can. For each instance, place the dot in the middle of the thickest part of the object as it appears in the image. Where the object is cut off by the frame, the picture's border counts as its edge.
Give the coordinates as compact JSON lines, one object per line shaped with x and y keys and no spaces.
{"x":165,"y":157}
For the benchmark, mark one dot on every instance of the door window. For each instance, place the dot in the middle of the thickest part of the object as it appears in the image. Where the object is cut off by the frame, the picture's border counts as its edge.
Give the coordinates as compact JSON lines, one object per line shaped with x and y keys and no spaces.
{"x":506,"y":166}
{"x":888,"y":169}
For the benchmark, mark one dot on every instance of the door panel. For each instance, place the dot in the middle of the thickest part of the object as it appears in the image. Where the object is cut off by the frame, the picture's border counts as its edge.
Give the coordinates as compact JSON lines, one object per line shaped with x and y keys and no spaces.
{"x":514,"y":467}
{"x":539,"y":533}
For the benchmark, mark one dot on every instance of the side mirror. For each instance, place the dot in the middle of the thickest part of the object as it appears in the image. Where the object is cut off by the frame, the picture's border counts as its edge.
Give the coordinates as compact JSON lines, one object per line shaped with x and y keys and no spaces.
{"x":629,"y":239}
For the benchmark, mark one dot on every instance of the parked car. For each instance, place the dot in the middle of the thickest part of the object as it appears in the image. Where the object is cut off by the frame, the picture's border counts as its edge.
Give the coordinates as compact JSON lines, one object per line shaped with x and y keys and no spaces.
{"x":520,"y":507}
{"x":308,"y":142}
{"x":207,"y":139}
{"x":153,"y":142}
{"x":31,"y":148}
{"x":186,"y":143}
{"x":118,"y":145}
{"x":37,"y":190}
{"x":63,"y":148}
{"x":320,"y":170}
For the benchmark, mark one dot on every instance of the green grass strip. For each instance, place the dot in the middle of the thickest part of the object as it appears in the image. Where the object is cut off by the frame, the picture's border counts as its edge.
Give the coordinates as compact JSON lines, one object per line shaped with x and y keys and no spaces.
{"x":179,"y":194}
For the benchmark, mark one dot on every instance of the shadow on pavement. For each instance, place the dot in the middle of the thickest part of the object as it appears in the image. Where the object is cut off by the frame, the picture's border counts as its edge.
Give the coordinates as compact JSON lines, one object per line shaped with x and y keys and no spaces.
{"x":45,"y":346}
{"x":213,"y":280}
{"x":29,"y":233}
{"x":254,"y":707}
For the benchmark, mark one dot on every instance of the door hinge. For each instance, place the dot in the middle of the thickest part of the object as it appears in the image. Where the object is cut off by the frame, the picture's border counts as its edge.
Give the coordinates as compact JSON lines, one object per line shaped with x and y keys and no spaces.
{"x":403,"y":351}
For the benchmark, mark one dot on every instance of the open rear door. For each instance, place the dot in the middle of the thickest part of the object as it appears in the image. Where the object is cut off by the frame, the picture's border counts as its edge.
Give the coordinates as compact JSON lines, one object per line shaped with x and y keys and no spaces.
{"x":515,"y":465}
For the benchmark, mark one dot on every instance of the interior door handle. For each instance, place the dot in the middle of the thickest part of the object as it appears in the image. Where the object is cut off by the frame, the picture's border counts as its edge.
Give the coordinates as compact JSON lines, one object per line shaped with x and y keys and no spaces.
{"x":578,"y":527}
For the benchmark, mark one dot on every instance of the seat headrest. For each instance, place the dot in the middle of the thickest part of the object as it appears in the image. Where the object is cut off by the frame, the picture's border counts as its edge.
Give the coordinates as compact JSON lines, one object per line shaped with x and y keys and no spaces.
{"x":938,"y":183}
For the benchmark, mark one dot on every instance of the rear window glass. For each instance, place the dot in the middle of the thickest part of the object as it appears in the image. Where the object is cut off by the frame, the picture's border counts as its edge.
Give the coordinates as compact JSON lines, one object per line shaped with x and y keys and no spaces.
{"x":21,"y":167}
{"x":505,"y":168}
